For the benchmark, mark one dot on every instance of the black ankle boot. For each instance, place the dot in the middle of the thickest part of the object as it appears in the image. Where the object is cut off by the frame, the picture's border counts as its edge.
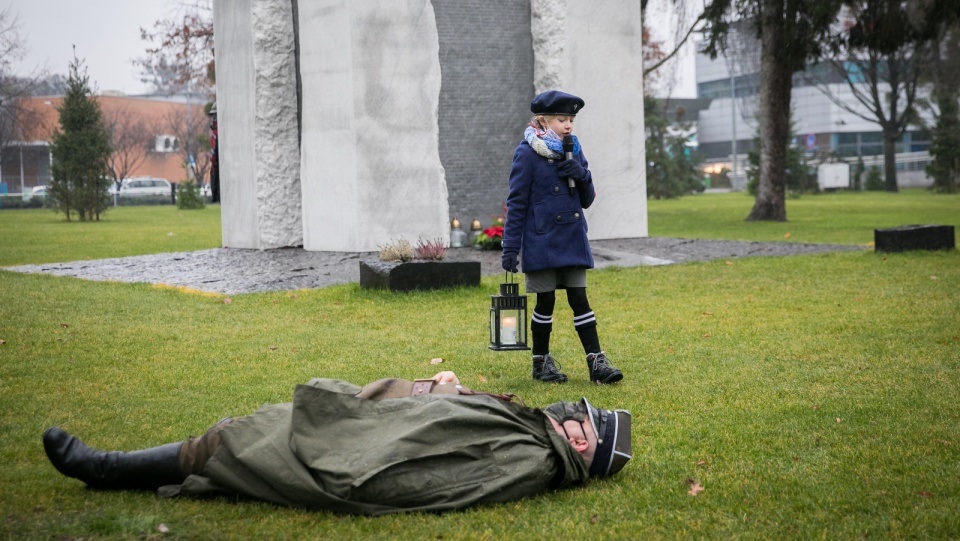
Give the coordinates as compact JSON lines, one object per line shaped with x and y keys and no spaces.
{"x":601,"y":371}
{"x":148,"y":469}
{"x":545,"y":368}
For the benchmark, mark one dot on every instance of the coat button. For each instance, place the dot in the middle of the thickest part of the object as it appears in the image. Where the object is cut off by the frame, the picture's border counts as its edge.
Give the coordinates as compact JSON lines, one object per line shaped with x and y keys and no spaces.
{"x":550,"y":160}
{"x":576,"y":215}
{"x":556,"y":189}
{"x":559,"y":217}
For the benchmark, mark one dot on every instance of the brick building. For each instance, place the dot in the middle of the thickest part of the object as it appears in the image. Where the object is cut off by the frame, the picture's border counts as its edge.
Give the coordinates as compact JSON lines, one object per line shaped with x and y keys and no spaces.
{"x":25,"y":160}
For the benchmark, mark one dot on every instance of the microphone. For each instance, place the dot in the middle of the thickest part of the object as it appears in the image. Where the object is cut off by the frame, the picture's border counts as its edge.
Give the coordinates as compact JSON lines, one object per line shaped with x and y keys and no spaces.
{"x":568,"y":155}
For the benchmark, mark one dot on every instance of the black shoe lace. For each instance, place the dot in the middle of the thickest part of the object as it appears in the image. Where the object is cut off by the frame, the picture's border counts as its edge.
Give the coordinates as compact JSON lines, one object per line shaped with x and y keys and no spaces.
{"x":551,"y":365}
{"x":600,"y":362}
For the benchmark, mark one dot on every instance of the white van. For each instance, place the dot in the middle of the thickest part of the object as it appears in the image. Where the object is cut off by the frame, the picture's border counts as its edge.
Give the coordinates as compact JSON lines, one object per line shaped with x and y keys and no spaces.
{"x":143,"y":186}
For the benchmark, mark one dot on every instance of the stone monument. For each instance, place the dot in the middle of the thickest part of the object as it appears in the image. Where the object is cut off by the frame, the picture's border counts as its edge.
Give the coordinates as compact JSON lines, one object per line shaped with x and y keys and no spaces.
{"x":345,"y":125}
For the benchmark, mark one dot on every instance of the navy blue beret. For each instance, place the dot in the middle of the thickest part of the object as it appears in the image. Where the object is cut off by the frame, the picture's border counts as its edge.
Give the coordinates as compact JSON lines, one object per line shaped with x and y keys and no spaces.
{"x":554,"y":102}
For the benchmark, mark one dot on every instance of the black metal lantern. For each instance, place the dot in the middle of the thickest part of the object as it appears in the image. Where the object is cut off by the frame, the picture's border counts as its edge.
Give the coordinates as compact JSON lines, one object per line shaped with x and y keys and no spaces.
{"x":508,"y":319}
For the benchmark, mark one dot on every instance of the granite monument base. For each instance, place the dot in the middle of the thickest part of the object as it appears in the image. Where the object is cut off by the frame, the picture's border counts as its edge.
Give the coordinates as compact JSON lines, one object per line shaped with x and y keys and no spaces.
{"x":418,"y":275}
{"x":914,"y":237}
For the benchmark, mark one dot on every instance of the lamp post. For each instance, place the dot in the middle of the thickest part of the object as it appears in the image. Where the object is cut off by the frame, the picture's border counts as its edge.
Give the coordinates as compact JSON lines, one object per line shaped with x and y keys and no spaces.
{"x":733,"y":128}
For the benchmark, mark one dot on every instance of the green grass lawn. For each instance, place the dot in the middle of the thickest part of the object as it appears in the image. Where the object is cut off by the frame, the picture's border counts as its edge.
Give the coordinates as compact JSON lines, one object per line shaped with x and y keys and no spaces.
{"x":837,"y":218}
{"x":42,"y":236}
{"x":811,"y":396}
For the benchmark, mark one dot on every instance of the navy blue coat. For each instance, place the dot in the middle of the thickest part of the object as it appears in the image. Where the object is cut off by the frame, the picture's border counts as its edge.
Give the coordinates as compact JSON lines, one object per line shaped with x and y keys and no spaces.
{"x":545,"y":222}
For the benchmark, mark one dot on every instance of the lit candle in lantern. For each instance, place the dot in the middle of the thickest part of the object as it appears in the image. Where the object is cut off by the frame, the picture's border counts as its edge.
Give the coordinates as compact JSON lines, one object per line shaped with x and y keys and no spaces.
{"x":508,"y":319}
{"x":508,"y":330}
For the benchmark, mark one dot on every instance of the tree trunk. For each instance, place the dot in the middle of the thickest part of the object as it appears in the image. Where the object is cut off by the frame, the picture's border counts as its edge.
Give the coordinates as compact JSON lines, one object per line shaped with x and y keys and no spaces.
{"x":775,"y":87}
{"x":890,"y":159}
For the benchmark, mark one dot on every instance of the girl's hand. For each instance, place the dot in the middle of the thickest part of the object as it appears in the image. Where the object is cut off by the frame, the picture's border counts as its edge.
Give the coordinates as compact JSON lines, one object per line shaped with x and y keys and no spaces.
{"x":571,"y":169}
{"x":446,"y":377}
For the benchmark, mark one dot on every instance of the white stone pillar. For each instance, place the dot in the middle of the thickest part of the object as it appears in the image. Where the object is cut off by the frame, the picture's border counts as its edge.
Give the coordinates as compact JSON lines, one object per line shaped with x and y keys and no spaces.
{"x":370,"y":167}
{"x":594,"y":50}
{"x":257,"y":117}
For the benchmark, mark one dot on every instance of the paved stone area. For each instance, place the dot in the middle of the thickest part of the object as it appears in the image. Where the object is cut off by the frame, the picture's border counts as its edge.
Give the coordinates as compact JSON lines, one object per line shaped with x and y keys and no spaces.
{"x":232,"y":271}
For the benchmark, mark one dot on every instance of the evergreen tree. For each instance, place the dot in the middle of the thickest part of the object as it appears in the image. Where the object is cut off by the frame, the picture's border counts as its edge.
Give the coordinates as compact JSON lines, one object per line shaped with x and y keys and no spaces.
{"x":671,"y":170}
{"x":945,"y":146}
{"x":80,"y":150}
{"x":795,"y":176}
{"x":791,"y":34}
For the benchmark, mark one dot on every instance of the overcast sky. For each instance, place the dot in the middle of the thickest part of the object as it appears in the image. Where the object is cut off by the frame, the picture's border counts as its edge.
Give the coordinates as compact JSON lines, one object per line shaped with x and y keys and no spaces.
{"x":105,"y":32}
{"x":107,"y":36}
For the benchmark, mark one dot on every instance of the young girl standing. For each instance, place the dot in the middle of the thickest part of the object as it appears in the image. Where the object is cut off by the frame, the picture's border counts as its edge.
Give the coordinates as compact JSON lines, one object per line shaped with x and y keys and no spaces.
{"x":546,"y":231}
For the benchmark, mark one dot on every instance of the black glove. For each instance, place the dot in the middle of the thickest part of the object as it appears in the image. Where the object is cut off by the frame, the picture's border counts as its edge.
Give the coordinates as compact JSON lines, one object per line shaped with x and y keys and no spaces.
{"x":571,"y":169}
{"x":509,"y":261}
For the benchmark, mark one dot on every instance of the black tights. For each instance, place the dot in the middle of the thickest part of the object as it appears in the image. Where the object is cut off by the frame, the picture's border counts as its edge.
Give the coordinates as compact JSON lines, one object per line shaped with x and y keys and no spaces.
{"x":576,"y":297}
{"x":583,"y":320}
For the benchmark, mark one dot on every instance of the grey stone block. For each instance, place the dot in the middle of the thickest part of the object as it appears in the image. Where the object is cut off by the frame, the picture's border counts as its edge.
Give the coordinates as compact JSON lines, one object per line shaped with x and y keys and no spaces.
{"x":914,"y":237}
{"x":418,"y":275}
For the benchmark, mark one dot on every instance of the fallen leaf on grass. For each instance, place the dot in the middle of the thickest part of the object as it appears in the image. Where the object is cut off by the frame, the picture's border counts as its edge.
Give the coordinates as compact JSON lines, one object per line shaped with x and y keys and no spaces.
{"x":706,"y":335}
{"x":272,"y":348}
{"x":593,"y":519}
{"x":162,"y":528}
{"x":701,"y":462}
{"x":2,"y":342}
{"x":695,"y":487}
{"x":925,"y":494}
{"x":436,"y":360}
{"x":227,"y":300}
{"x":294,"y":297}
{"x":786,"y":235}
{"x":838,"y":419}
{"x":729,"y":262}
{"x":65,"y":326}
{"x":934,"y":278}
{"x":481,"y":378}
{"x":708,"y":313}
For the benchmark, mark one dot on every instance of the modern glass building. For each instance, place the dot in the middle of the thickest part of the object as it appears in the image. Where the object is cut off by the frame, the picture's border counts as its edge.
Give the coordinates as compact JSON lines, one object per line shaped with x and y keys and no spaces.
{"x":825,"y":130}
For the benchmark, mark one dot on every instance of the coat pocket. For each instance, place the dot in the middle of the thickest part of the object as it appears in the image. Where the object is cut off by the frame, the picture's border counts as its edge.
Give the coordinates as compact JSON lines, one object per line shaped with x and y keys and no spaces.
{"x":457,"y":475}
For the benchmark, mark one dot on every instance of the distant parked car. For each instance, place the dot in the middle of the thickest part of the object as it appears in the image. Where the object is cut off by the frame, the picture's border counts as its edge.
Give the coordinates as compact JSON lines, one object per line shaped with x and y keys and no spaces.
{"x":38,"y":191}
{"x":144,"y":186}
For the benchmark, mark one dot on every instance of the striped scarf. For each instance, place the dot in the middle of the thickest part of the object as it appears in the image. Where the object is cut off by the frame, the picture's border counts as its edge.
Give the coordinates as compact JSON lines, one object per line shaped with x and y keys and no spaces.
{"x":547,"y":143}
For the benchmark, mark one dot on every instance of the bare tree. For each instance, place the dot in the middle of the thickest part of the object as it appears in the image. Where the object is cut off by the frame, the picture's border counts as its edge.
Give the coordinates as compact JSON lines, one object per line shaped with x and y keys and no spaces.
{"x":883,"y":51}
{"x":13,"y":116}
{"x":180,"y":58}
{"x":193,"y":139}
{"x":131,"y":139}
{"x":883,"y":80}
{"x":658,"y":55}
